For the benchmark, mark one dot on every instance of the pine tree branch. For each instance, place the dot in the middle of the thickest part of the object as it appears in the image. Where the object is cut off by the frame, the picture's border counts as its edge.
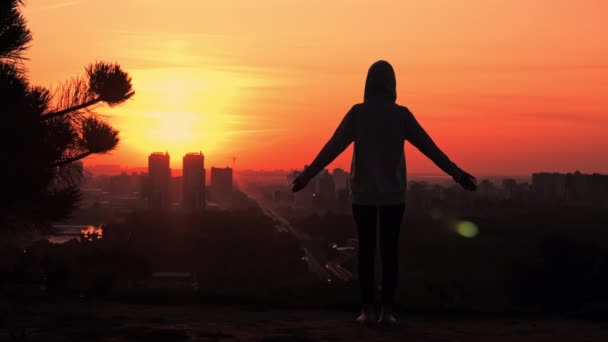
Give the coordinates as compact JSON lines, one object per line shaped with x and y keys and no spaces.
{"x":71,"y":109}
{"x":72,"y":159}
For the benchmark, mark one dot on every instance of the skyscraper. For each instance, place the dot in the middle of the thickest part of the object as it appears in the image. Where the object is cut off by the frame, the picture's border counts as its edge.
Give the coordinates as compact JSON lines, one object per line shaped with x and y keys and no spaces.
{"x":159,"y":175}
{"x":221,"y":186}
{"x":193,"y":193}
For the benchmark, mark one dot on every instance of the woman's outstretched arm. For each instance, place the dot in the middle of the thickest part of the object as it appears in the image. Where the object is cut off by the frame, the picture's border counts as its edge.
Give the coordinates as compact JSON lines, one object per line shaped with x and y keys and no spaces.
{"x":340,"y":140}
{"x":422,"y":141}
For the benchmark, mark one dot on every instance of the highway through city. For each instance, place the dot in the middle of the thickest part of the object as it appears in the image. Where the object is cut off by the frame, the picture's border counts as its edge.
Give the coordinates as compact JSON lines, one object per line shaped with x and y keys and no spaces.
{"x":326,"y":271}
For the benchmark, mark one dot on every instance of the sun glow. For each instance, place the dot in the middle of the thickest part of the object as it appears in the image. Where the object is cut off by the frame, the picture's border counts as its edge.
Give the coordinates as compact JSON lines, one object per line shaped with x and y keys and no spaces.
{"x":181,"y":132}
{"x":183,"y":110}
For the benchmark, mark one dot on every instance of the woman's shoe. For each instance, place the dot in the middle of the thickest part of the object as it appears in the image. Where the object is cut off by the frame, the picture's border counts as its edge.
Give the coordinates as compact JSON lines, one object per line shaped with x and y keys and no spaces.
{"x":387,"y":318}
{"x":366,"y":317}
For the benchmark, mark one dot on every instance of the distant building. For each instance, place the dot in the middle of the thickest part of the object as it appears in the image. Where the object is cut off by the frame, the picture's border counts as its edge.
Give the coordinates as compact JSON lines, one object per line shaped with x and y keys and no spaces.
{"x":598,"y":185}
{"x":549,"y":186}
{"x":303,"y":198}
{"x":104,"y":169}
{"x":193,"y":193}
{"x":571,"y":187}
{"x":221,"y":186}
{"x":418,"y":195}
{"x":159,"y":177}
{"x":343,"y":196}
{"x":487,"y":190}
{"x":123,"y":184}
{"x":326,"y":187}
{"x":341,"y":179}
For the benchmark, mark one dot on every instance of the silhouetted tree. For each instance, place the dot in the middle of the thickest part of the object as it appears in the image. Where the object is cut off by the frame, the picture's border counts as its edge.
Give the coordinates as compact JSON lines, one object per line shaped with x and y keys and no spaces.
{"x":44,"y":132}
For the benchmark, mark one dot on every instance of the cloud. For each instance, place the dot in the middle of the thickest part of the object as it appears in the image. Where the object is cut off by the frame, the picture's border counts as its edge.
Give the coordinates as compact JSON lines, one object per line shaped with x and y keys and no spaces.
{"x":255,"y":131}
{"x":155,"y":35}
{"x":584,"y":118}
{"x":57,"y":5}
{"x":498,"y":68}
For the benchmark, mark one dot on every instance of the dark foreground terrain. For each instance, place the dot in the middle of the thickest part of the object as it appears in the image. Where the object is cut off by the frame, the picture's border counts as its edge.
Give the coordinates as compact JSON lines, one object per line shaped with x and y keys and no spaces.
{"x":106,"y":321}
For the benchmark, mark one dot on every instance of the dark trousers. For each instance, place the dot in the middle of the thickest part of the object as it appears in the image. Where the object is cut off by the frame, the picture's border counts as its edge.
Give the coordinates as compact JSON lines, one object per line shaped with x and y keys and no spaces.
{"x":388,"y":218}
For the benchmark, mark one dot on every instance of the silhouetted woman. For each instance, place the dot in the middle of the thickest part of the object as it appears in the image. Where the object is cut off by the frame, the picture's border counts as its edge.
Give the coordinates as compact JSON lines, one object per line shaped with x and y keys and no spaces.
{"x":379,"y":127}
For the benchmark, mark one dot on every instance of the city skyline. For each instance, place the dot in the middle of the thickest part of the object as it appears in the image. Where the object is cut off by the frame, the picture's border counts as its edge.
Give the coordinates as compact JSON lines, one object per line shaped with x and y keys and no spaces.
{"x":114,"y":169}
{"x":523,"y":86}
{"x":163,"y":190}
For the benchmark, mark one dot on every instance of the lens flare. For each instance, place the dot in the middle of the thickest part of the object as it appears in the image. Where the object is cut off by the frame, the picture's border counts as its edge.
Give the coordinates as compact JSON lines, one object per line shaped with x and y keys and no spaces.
{"x":467,"y":229}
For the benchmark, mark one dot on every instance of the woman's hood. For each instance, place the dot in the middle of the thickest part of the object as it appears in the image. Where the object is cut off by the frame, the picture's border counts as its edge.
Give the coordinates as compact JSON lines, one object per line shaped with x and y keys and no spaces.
{"x":381,"y":83}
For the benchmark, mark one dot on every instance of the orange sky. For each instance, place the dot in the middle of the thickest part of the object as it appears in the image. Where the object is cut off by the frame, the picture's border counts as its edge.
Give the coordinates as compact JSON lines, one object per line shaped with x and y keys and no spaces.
{"x":504,"y":87}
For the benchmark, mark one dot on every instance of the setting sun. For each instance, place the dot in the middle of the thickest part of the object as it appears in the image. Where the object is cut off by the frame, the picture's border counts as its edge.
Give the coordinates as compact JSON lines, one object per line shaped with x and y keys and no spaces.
{"x":182,"y":110}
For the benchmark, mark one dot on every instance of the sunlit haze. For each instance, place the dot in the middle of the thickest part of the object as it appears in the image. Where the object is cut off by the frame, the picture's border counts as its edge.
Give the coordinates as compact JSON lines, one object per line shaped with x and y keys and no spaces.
{"x":503,"y":87}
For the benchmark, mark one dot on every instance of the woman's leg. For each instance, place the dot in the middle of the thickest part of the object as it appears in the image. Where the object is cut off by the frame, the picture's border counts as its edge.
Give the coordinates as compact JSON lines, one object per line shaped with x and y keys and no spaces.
{"x":366,"y":218}
{"x":390,"y":224}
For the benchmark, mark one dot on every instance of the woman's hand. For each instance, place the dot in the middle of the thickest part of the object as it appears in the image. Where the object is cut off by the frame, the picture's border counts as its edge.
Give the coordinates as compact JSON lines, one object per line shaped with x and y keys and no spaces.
{"x":299,"y":183}
{"x":467,"y":181}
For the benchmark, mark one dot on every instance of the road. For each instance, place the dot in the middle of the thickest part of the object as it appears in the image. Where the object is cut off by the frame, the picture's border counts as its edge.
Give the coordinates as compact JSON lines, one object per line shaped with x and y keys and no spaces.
{"x":325,"y":271}
{"x":283,"y":225}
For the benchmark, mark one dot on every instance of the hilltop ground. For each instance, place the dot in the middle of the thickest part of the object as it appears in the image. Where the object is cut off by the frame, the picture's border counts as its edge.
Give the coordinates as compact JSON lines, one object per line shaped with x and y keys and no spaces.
{"x":104,"y":321}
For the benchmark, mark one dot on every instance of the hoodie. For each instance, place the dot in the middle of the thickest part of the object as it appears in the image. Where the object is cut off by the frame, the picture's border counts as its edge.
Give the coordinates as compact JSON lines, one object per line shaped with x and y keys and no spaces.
{"x":378,"y":127}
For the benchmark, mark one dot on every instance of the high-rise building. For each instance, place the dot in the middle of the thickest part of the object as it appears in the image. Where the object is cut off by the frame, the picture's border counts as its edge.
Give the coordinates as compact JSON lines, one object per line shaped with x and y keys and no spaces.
{"x":221,"y":186}
{"x":159,"y":176}
{"x":193,"y":193}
